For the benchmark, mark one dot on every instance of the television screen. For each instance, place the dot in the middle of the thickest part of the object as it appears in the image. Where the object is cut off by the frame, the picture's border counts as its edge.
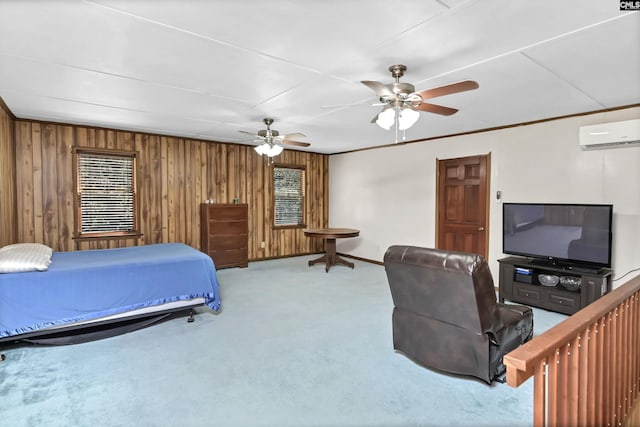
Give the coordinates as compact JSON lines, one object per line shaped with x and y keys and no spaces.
{"x":563,"y":233}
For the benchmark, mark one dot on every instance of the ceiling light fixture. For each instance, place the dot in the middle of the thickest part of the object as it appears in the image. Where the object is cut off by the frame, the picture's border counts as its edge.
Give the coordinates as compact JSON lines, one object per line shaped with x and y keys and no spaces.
{"x":268,"y":149}
{"x":402,"y":104}
{"x":406,"y":117}
{"x":386,"y":118}
{"x":402,"y":117}
{"x":271,"y":140}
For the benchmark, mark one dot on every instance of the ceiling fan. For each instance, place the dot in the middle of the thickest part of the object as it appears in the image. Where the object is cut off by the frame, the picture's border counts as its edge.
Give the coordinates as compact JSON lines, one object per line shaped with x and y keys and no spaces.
{"x":271,"y":139}
{"x":403,"y":100}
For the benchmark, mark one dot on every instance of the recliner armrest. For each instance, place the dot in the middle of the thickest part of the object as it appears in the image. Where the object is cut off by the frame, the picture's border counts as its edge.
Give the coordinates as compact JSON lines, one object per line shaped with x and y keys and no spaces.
{"x":513,"y":318}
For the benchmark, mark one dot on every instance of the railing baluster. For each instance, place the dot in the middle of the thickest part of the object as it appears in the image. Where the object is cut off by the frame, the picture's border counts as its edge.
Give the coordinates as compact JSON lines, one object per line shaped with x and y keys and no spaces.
{"x":635,"y":304}
{"x":583,"y":381}
{"x":563,"y":385}
{"x":598,"y":361}
{"x":607,"y":361}
{"x":626,"y":359}
{"x":616,"y":397}
{"x":540,"y":394}
{"x":552,"y":389}
{"x":587,"y":369}
{"x":574,"y":382}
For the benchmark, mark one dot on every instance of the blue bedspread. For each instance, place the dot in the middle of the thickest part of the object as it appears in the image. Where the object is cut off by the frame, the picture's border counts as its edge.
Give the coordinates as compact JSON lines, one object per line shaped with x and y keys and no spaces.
{"x":85,"y":285}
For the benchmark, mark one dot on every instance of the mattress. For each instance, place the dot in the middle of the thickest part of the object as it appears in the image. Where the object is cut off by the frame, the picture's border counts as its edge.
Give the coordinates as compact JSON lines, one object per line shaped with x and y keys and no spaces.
{"x":86,"y":285}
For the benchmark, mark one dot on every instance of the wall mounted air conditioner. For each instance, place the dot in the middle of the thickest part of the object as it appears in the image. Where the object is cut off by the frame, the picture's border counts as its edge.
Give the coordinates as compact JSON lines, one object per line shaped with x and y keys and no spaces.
{"x":610,"y":135}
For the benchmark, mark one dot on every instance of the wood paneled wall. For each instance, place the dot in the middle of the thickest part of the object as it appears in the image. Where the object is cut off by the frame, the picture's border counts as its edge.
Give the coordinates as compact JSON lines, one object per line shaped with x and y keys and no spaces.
{"x":174,"y":176}
{"x":8,"y":230}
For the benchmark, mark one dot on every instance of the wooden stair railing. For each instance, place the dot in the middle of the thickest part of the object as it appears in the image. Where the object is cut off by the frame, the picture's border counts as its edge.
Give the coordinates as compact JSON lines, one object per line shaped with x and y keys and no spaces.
{"x":586,"y":370}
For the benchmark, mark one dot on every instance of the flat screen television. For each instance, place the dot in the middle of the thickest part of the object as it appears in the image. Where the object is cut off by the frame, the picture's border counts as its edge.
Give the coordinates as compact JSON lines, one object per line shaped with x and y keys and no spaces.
{"x":569,"y":235}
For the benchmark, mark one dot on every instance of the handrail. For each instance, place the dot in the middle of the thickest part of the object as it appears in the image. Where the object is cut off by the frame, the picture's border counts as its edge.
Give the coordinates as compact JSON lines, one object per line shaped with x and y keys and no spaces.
{"x":573,"y":350}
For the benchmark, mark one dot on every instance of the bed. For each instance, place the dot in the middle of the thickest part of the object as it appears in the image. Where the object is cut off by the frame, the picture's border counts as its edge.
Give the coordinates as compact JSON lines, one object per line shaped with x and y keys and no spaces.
{"x":123,"y":288}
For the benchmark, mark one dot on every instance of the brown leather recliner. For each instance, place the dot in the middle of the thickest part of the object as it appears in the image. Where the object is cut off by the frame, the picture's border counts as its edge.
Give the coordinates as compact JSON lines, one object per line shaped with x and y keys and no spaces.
{"x":446,"y":315}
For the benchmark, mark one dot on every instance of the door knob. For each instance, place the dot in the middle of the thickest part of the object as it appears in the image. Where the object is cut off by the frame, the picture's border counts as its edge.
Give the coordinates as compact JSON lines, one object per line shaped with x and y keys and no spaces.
{"x":480,"y":228}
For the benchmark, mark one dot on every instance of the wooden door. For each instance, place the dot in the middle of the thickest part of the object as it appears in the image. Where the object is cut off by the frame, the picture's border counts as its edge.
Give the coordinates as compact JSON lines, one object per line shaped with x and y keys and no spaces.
{"x":463,"y":204}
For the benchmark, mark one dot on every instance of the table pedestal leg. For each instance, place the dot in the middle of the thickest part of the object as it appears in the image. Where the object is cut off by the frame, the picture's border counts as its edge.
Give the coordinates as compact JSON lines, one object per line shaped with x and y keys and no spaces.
{"x":330,"y":257}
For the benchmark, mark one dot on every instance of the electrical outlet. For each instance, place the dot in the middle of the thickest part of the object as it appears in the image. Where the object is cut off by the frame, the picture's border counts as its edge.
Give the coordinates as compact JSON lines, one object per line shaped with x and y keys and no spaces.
{"x":263,"y":245}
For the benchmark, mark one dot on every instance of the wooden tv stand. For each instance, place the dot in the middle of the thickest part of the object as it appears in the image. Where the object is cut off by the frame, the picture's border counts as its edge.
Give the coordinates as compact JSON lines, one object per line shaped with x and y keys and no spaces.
{"x":526,"y":289}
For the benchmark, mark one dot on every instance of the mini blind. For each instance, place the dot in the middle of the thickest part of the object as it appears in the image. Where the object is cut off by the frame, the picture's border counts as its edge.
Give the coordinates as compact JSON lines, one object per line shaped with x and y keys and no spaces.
{"x":288,"y":186}
{"x":106,"y":193}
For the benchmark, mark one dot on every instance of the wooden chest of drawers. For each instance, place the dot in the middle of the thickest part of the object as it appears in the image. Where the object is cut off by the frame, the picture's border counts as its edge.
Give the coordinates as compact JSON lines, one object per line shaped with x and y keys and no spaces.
{"x":224,"y":233}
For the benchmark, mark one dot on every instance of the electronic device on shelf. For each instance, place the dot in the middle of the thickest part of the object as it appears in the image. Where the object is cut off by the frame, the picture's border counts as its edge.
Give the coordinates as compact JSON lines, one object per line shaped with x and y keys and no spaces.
{"x":577,"y":237}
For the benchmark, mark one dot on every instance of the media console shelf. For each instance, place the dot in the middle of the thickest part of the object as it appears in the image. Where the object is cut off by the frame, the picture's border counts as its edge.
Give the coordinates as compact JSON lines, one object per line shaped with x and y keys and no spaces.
{"x":525,"y":288}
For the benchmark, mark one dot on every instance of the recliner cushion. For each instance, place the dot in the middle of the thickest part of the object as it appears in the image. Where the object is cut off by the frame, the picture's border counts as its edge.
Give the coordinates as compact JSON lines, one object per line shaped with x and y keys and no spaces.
{"x":517,"y":329}
{"x":440,"y":345}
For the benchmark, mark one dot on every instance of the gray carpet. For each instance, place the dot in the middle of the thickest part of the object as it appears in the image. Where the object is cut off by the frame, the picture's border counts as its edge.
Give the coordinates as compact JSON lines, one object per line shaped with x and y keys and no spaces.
{"x":292,"y":346}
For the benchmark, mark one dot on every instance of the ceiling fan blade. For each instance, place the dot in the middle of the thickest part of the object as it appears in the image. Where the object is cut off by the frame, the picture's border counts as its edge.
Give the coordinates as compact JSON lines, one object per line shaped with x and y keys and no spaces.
{"x":255,"y":135}
{"x":448,"y":89}
{"x":380,"y":89}
{"x":437,"y":109}
{"x":297,"y":143}
{"x":294,"y":135}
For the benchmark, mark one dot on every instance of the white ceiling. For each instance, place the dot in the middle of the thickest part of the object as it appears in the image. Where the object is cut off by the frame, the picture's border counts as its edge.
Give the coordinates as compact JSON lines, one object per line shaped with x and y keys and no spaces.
{"x":207,"y":69}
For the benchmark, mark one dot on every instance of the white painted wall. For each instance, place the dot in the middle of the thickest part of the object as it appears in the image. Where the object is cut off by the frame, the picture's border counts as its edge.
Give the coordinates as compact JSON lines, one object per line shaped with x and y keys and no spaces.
{"x":389,"y":193}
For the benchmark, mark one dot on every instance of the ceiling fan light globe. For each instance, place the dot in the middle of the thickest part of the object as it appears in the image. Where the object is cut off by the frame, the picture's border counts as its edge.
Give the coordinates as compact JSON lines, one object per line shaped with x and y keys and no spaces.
{"x":274,"y":150}
{"x":386,"y":118}
{"x":407,"y":118}
{"x":262,"y":148}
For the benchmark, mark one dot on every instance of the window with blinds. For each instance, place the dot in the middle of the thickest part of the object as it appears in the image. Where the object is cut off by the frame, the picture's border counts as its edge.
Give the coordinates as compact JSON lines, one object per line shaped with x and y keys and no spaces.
{"x":106,"y":193}
{"x":288,"y":195}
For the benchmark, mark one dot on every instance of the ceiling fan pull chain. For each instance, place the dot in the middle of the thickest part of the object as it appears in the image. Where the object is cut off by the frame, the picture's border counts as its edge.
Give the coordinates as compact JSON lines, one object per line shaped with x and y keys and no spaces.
{"x":396,"y":123}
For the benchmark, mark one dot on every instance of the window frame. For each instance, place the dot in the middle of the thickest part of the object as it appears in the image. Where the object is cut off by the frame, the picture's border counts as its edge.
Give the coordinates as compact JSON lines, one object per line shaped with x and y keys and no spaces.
{"x":78,"y":234}
{"x":304,"y":196}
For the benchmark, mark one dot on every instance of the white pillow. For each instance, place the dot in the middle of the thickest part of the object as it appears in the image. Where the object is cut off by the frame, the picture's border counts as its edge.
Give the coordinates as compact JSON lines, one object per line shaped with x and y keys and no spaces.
{"x":21,"y":257}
